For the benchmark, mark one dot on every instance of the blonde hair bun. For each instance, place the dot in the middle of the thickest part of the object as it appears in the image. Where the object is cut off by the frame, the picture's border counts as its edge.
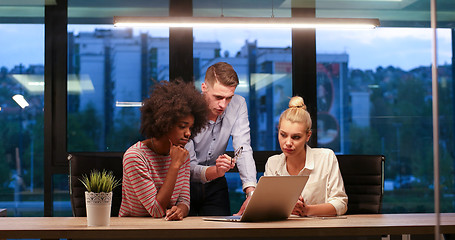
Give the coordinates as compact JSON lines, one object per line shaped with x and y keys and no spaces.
{"x":297,"y":102}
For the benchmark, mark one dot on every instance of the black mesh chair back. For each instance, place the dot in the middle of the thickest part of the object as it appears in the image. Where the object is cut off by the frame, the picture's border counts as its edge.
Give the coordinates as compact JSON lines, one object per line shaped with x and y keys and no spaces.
{"x":82,"y":164}
{"x":363,"y":177}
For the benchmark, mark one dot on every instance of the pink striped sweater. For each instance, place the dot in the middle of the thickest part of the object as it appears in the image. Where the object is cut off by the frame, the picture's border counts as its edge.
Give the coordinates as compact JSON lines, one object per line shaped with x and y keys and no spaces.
{"x":144,"y":173}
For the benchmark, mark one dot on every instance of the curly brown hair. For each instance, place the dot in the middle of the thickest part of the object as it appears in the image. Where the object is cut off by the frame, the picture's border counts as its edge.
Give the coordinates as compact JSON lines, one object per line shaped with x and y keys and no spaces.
{"x":167,"y":104}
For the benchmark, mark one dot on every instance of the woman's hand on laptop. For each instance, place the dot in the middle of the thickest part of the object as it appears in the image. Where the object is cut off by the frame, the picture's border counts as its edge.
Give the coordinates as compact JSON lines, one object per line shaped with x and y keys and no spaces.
{"x":300,"y":208}
{"x":304,"y":210}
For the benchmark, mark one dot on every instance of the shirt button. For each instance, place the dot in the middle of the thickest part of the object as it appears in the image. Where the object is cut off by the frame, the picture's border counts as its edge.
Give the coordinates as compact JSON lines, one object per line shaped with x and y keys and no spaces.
{"x":214,"y":139}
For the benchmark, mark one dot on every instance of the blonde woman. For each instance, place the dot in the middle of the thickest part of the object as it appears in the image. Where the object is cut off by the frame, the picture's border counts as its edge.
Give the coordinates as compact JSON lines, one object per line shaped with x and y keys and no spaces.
{"x":324,"y":192}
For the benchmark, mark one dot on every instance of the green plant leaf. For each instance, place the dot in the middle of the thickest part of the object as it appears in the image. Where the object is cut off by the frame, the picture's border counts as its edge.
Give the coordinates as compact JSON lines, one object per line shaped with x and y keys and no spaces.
{"x":97,"y":182}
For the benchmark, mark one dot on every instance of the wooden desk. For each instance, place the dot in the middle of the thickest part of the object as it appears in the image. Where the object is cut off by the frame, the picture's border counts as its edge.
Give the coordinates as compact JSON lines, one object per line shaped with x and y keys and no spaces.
{"x":196,"y":228}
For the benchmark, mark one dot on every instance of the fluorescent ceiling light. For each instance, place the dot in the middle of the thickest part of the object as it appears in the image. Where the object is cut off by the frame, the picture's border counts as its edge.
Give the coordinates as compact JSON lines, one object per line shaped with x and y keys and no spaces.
{"x":247,"y":22}
{"x":20,"y":100}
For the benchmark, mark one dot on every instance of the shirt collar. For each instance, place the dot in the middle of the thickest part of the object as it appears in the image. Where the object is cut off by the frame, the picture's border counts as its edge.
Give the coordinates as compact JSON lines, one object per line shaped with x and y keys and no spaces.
{"x":309,"y":164}
{"x":281,"y":170}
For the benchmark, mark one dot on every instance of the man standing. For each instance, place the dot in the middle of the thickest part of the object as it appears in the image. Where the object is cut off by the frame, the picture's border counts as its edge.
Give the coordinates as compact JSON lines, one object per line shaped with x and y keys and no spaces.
{"x":228,"y":116}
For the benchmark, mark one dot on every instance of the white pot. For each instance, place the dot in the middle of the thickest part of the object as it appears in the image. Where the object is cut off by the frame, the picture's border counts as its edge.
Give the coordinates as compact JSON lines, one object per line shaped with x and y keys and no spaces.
{"x":98,"y":207}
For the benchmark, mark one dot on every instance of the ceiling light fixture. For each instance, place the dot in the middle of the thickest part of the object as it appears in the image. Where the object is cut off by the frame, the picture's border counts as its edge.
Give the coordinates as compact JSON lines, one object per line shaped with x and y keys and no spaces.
{"x":247,"y":22}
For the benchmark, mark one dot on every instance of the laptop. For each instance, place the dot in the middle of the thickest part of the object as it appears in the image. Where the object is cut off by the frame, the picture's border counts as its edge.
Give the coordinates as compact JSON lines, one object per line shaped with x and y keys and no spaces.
{"x":274,"y":199}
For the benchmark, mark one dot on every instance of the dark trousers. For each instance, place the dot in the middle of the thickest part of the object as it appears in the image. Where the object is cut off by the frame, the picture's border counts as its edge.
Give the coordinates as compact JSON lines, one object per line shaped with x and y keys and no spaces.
{"x":210,"y":199}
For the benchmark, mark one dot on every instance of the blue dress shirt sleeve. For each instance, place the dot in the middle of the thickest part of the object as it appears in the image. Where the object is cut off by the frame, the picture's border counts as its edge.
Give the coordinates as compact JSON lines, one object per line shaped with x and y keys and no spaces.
{"x":241,"y":137}
{"x":211,"y":142}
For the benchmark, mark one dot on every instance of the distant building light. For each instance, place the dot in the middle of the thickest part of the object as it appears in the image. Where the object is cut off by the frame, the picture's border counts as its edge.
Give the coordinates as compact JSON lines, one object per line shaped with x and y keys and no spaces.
{"x":36,"y":83}
{"x":20,"y":100}
{"x":128,"y":104}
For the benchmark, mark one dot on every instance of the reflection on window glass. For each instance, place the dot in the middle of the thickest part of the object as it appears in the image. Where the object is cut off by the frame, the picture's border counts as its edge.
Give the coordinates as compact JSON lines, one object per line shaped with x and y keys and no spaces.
{"x":62,"y":203}
{"x":21,"y":119}
{"x":374,"y":97}
{"x":263,"y":62}
{"x":110,"y":71}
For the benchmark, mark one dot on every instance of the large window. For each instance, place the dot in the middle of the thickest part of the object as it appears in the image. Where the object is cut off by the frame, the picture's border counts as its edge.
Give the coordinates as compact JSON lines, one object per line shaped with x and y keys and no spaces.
{"x":261,"y":57}
{"x":374,"y":97}
{"x":263,"y":61}
{"x":110,"y":71}
{"x":21,"y":118}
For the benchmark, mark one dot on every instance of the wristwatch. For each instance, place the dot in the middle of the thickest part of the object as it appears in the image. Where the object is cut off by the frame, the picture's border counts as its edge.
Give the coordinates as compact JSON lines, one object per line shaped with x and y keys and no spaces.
{"x":249,"y":194}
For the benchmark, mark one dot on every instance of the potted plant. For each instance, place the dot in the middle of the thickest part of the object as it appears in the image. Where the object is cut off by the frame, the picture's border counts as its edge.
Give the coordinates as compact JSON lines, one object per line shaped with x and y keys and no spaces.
{"x":98,"y":197}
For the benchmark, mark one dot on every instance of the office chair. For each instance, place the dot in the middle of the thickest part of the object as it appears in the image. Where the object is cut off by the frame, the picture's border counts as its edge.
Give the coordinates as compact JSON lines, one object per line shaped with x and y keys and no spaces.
{"x":81,"y":164}
{"x":3,"y":212}
{"x":363,"y":177}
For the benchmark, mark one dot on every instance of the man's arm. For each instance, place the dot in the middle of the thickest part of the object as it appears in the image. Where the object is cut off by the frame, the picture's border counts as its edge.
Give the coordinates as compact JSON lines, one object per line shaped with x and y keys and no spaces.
{"x":241,"y":137}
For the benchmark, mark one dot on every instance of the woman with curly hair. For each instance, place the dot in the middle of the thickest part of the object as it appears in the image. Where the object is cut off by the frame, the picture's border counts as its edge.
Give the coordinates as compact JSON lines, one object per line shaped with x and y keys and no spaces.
{"x":156,"y":171}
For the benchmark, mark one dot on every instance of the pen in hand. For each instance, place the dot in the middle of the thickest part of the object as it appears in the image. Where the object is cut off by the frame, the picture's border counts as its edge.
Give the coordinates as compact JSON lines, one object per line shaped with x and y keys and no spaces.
{"x":237,"y":154}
